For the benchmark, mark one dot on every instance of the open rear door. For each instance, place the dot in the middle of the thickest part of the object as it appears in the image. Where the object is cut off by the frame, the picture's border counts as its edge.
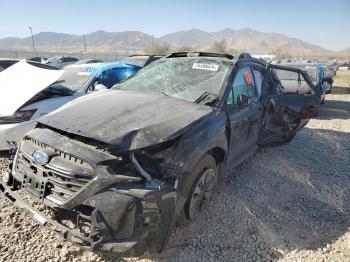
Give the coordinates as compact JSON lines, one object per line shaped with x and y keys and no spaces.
{"x":290,"y":99}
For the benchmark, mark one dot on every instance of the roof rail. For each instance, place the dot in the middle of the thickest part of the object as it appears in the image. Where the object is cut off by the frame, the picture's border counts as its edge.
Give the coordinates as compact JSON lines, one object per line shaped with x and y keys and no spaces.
{"x":196,"y":54}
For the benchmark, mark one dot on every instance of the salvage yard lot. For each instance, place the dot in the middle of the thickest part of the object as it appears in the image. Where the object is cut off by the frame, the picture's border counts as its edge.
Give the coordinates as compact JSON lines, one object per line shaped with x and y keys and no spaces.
{"x":287,"y":203}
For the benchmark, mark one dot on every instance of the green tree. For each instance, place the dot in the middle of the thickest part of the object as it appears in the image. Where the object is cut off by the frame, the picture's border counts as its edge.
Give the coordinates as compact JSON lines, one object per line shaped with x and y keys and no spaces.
{"x":233,"y":51}
{"x":219,"y":46}
{"x":157,"y":48}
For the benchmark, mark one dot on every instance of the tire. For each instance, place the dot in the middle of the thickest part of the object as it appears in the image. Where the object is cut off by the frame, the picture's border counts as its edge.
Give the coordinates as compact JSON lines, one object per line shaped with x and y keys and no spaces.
{"x":203,"y":183}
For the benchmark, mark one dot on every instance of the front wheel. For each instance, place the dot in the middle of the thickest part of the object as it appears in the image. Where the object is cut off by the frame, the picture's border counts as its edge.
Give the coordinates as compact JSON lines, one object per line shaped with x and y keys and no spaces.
{"x":203,"y":186}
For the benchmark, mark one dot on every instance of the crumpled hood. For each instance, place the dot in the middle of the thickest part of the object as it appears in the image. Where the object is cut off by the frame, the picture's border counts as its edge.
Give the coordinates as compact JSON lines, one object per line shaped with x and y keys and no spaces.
{"x":126,"y":120}
{"x":21,"y":82}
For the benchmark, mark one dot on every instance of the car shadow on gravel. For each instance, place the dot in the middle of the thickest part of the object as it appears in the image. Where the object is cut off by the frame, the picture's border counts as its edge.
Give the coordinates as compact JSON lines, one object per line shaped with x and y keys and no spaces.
{"x":301,"y":196}
{"x":340,"y":90}
{"x":296,"y":196}
{"x":334,"y":109}
{"x":5,"y":154}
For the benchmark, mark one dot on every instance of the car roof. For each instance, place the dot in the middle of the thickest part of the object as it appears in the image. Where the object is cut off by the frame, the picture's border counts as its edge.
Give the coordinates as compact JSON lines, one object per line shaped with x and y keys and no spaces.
{"x":243,"y":57}
{"x":299,"y":65}
{"x":104,"y":65}
{"x":29,"y":62}
{"x":87,"y":60}
{"x":143,"y":56}
{"x":97,"y":68}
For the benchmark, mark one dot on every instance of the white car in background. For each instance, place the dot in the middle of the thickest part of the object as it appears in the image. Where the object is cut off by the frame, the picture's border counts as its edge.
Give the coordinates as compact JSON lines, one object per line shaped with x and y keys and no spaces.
{"x":61,"y":61}
{"x":29,"y":92}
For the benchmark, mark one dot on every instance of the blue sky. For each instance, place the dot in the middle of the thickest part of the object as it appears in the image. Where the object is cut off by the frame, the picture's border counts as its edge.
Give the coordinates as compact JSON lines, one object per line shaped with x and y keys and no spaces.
{"x":322,"y":22}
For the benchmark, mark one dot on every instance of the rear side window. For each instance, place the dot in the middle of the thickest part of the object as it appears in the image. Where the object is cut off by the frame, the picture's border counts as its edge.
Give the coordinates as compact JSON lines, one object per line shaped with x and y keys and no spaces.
{"x":71,"y":59}
{"x":293,"y":83}
{"x":243,"y":87}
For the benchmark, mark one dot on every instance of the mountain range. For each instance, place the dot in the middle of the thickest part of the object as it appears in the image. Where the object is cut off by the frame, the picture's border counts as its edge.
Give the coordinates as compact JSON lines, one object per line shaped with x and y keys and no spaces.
{"x":135,"y":41}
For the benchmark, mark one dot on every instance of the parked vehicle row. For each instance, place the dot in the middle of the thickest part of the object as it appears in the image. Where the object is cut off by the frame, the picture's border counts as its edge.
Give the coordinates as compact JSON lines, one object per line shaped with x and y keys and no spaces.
{"x":120,"y":166}
{"x":30,"y":92}
{"x":61,"y":62}
{"x":7,"y":62}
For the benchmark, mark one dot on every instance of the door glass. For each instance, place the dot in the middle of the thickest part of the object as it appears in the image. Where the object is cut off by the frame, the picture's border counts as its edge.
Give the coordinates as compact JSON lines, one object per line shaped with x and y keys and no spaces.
{"x":258,"y":77}
{"x":243,"y":88}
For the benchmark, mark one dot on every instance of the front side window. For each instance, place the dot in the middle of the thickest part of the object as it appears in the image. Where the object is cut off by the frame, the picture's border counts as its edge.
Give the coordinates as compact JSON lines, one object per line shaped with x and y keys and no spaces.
{"x":243,"y":88}
{"x":184,"y":78}
{"x":259,"y":78}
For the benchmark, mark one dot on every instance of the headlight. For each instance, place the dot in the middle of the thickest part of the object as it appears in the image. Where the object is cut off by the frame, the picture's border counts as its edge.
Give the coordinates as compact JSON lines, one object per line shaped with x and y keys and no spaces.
{"x":19,"y":116}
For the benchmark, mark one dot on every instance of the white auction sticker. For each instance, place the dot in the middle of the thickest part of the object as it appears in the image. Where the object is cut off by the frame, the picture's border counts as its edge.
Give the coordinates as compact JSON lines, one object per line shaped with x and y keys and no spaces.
{"x":203,"y":66}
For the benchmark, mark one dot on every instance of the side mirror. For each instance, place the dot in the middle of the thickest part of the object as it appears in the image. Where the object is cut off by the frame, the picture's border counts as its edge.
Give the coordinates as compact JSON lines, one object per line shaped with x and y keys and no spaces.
{"x":100,"y":87}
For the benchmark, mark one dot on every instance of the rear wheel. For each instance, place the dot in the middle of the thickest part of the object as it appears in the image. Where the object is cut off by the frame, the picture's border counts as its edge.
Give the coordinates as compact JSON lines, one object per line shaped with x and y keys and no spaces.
{"x":205,"y":181}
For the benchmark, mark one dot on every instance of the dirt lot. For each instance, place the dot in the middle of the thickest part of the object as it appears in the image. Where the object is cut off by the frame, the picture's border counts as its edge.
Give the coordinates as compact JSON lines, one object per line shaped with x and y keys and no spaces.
{"x":290,"y":203}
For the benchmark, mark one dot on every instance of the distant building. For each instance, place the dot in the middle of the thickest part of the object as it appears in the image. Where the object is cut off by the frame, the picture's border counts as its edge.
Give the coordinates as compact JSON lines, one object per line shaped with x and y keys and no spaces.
{"x":266,"y":57}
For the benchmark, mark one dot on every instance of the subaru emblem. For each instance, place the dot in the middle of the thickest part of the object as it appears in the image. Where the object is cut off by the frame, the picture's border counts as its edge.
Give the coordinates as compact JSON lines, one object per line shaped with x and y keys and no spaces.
{"x":41,"y":157}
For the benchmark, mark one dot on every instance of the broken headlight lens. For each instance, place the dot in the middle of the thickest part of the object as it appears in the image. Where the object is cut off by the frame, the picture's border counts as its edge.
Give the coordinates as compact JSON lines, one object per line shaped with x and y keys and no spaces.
{"x":19,"y":116}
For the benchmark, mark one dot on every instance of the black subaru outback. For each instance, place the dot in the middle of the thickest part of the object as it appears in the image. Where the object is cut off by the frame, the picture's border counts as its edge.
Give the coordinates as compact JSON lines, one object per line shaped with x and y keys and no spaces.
{"x":120,"y":166}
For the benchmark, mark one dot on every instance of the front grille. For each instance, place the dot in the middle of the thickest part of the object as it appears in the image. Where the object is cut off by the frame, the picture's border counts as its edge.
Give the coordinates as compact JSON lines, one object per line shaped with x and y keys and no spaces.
{"x":57,"y":181}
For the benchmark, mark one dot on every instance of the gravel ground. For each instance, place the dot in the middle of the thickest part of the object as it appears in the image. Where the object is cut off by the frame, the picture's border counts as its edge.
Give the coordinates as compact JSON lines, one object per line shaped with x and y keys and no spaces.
{"x":289,"y":203}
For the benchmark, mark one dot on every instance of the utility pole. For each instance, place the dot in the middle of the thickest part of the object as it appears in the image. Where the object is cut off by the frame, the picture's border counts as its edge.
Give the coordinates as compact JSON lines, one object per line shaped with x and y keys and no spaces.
{"x":31,"y":32}
{"x":116,"y":50}
{"x":84,"y":39}
{"x":152,"y":41}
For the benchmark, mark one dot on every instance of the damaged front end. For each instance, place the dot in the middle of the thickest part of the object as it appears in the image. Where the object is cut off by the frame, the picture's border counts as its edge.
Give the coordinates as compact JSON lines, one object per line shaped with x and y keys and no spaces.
{"x":119,"y":203}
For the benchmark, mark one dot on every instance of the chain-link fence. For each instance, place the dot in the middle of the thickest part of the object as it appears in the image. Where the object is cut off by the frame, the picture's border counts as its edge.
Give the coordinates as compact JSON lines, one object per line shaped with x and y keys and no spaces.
{"x":108,"y":57}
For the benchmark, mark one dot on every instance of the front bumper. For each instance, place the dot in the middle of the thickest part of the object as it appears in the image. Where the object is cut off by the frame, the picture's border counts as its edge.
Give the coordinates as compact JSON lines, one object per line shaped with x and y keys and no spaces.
{"x":125,"y":224}
{"x":89,"y":203}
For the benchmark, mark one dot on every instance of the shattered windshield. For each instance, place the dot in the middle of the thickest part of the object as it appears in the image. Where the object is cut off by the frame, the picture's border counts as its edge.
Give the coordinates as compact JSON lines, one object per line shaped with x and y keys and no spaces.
{"x":184,"y":78}
{"x":73,"y":79}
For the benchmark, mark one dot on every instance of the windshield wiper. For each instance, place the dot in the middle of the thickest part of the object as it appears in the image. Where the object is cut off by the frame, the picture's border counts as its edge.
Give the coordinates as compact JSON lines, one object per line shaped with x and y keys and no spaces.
{"x":207,"y":97}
